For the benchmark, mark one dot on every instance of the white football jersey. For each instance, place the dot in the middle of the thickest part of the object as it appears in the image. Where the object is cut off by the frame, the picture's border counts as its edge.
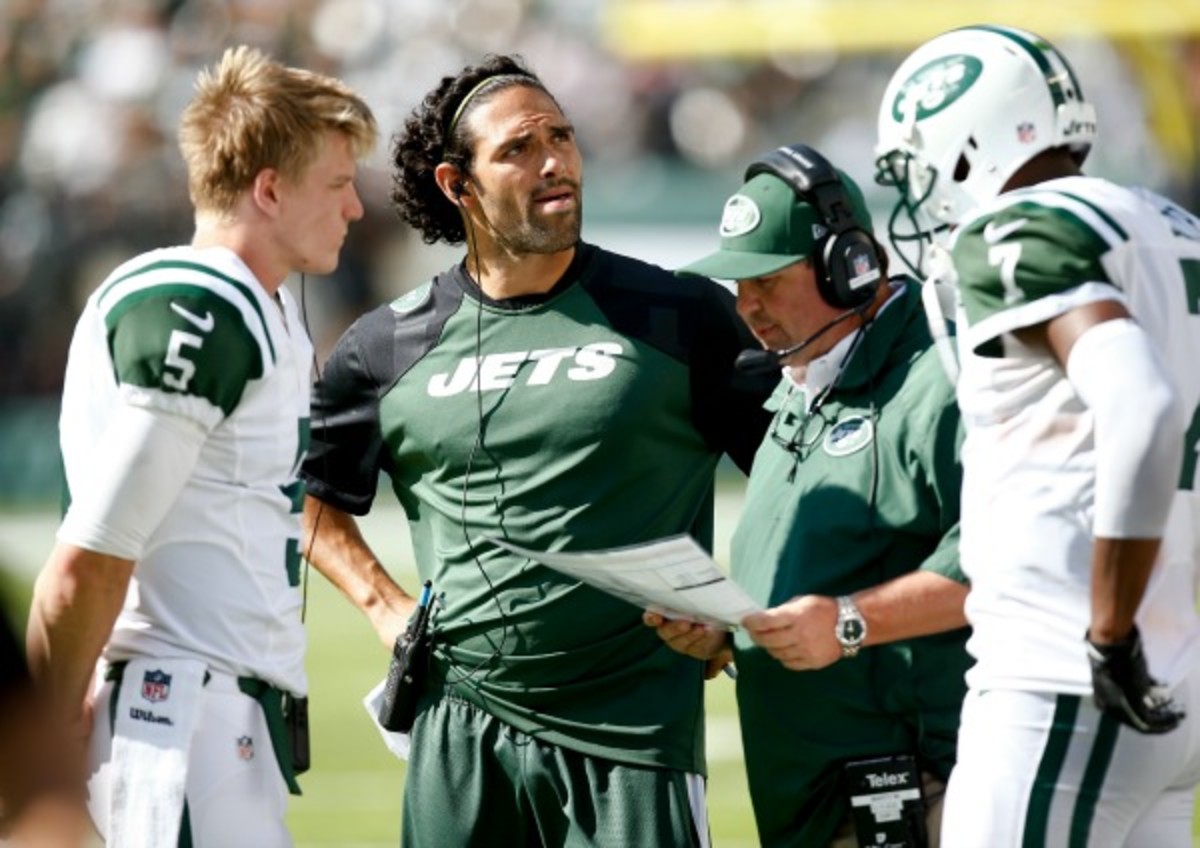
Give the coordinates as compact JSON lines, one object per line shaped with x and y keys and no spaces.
{"x":1029,"y":460}
{"x":192,"y":334}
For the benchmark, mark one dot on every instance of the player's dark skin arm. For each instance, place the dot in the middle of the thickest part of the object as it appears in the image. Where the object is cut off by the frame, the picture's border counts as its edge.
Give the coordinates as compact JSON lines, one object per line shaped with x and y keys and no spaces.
{"x":1120,"y":567}
{"x":340,"y":553}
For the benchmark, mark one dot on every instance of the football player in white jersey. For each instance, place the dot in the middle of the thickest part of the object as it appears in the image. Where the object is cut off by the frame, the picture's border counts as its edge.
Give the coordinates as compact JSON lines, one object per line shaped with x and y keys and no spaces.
{"x":1079,"y":348}
{"x":184,"y":422}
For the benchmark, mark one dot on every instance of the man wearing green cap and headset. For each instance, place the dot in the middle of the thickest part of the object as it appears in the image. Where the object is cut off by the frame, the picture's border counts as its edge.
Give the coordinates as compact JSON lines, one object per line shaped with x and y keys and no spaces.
{"x":851,"y":680}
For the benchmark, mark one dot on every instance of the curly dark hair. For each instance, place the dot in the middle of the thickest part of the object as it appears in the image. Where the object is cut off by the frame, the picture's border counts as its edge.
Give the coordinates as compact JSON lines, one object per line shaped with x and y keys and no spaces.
{"x":436,"y":132}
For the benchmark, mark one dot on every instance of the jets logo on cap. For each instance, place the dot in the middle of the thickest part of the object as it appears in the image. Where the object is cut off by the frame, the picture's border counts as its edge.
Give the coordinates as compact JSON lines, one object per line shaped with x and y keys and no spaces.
{"x":935,"y":86}
{"x":740,"y":216}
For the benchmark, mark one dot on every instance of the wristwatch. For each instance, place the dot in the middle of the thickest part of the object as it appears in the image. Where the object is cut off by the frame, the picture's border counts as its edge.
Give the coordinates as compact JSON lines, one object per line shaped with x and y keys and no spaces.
{"x":850,"y":629}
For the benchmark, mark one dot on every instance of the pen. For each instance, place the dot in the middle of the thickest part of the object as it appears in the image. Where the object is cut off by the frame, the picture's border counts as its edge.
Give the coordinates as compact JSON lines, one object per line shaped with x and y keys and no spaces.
{"x":730,"y":670}
{"x":420,"y":617}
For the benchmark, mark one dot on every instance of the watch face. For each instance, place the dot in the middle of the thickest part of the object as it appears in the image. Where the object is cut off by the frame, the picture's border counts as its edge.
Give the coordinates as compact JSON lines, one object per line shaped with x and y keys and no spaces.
{"x":852,"y":630}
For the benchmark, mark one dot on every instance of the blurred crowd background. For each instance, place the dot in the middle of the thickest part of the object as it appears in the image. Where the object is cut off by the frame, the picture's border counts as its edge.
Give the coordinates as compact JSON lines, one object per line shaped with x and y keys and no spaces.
{"x":671,"y":98}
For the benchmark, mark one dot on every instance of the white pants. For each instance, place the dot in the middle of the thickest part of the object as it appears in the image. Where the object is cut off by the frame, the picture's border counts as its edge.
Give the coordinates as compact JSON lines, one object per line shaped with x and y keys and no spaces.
{"x":235,"y":792}
{"x":1043,"y":770}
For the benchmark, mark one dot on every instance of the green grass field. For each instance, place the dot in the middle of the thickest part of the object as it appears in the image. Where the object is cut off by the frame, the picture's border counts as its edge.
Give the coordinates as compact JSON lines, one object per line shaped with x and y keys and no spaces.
{"x":352,"y":795}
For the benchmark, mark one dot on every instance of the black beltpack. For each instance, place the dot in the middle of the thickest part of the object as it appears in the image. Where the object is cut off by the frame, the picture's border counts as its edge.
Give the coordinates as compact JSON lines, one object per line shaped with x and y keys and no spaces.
{"x":887,"y":802}
{"x":408,"y":669}
{"x":295,"y":717}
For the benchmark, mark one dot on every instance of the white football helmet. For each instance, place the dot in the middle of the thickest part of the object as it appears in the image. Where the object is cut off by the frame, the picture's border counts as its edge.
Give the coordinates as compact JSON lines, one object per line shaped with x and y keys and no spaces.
{"x":964,"y":112}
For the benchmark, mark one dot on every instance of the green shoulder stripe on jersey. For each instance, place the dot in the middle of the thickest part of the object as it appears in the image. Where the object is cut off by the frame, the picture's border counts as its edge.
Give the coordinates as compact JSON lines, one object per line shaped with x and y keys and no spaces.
{"x":195,"y":267}
{"x":1028,"y":250}
{"x":1102,"y":214}
{"x":1088,"y":213}
{"x":1036,"y":52}
{"x":184,"y":340}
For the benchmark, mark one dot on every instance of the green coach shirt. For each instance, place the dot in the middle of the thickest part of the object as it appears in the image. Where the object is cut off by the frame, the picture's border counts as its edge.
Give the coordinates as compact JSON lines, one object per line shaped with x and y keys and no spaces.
{"x":860,"y":491}
{"x":590,"y":417}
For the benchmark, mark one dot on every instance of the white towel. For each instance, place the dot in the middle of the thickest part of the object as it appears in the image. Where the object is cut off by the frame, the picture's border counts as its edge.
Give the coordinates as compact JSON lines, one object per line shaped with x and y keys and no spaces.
{"x":397,"y":743}
{"x":156,"y":713}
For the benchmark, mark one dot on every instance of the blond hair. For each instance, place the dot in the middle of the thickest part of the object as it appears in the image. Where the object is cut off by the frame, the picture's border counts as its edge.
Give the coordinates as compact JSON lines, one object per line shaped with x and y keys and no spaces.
{"x":250,"y":113}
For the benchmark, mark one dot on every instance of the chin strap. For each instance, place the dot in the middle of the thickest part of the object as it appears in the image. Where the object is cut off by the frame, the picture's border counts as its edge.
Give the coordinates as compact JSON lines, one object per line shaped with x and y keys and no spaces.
{"x":939,"y":295}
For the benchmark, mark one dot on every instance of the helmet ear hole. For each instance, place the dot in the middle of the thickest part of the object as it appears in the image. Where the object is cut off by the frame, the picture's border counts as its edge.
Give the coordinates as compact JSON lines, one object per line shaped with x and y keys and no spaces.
{"x":962,"y":169}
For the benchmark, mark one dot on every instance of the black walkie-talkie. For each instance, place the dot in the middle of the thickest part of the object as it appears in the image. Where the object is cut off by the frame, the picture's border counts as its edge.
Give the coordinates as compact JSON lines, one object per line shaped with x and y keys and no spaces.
{"x":409,"y":665}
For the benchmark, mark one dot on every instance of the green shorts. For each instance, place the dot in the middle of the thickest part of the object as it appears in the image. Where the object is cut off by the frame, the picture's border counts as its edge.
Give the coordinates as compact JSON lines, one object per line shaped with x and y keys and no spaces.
{"x":475,"y":781}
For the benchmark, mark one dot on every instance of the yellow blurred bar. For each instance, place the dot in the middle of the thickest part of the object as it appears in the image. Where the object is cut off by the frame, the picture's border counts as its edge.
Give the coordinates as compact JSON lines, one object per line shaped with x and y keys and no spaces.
{"x":709,"y":29}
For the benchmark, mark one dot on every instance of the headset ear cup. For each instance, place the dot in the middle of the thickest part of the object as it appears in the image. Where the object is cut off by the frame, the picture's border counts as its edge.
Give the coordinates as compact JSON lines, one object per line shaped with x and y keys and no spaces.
{"x":849,"y":273}
{"x":826,"y":286}
{"x":847,"y":266}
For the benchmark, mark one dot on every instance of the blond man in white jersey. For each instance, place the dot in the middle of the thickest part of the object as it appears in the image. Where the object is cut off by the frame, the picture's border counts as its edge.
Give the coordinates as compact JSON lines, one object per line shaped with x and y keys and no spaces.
{"x":1079,"y":340}
{"x":184,"y":422}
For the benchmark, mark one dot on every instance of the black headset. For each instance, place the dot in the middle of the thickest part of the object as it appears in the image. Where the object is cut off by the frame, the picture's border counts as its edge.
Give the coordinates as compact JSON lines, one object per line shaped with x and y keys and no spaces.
{"x":847,"y":260}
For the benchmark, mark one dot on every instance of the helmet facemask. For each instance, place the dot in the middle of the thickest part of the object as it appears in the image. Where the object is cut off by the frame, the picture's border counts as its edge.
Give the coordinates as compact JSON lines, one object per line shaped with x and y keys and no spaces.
{"x":910,"y":227}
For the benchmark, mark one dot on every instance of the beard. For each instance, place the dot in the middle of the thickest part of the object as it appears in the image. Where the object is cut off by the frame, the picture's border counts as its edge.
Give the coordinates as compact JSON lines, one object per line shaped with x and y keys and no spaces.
{"x":539,"y":234}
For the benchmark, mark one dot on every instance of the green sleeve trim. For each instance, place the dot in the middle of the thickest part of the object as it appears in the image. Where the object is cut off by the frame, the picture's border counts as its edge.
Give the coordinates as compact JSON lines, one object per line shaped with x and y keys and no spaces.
{"x":945,"y":560}
{"x":155,"y":268}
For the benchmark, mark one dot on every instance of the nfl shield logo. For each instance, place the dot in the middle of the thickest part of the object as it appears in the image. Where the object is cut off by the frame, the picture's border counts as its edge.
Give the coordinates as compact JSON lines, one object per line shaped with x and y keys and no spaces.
{"x":862,"y":264}
{"x":245,"y":748}
{"x":1026,"y":132}
{"x":156,"y":686}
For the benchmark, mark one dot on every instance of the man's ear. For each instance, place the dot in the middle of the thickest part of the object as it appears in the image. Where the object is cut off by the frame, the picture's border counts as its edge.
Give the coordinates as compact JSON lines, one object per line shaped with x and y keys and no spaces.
{"x":452,"y":182}
{"x":265,"y":190}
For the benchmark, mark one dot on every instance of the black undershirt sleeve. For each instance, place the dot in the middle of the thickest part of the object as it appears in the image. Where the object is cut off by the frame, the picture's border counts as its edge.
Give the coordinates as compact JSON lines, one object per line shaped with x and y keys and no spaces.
{"x":727,"y":403}
{"x":344,"y":455}
{"x":347,"y":451}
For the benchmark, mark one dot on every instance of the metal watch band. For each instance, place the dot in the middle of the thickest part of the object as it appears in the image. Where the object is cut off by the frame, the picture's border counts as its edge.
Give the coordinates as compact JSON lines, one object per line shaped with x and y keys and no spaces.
{"x":851,"y":628}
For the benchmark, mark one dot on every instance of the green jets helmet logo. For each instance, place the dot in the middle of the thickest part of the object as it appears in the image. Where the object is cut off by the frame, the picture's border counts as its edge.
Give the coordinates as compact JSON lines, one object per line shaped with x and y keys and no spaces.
{"x":935,"y":86}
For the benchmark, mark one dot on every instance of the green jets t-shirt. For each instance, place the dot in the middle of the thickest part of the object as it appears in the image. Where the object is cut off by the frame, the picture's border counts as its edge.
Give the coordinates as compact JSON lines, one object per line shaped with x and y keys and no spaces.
{"x":587,"y":418}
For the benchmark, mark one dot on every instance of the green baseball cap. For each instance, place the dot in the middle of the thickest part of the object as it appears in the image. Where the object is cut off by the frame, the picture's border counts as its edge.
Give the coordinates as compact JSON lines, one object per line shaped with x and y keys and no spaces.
{"x":766,"y":226}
